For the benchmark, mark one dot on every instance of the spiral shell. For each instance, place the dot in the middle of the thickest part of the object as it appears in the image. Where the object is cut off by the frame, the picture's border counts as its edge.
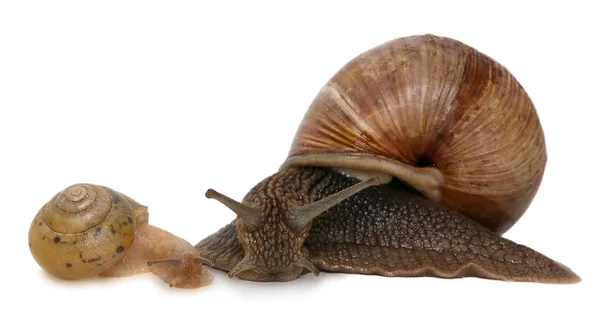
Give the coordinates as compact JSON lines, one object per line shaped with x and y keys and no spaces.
{"x":438,"y":115}
{"x":82,"y":231}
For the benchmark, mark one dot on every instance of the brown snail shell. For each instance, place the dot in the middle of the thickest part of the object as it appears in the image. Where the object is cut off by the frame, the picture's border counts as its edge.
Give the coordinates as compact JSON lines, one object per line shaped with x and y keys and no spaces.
{"x":83,"y":230}
{"x":436,"y":114}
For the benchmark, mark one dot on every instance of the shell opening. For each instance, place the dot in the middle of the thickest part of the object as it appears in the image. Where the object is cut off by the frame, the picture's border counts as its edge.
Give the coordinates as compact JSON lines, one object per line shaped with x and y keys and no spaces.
{"x":425,"y":161}
{"x":427,"y":180}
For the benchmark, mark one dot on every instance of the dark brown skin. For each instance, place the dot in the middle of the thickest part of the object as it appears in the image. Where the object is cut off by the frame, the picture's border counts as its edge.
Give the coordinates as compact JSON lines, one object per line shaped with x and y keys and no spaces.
{"x":385,"y":230}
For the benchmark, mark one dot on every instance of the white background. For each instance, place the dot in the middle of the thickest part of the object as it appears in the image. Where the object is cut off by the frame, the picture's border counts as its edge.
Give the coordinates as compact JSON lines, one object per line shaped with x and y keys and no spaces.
{"x":163,"y":100}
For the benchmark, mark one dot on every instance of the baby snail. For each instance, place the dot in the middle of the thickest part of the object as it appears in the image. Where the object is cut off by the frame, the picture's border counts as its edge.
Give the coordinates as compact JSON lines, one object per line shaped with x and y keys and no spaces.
{"x":87,"y":230}
{"x":413,"y":160}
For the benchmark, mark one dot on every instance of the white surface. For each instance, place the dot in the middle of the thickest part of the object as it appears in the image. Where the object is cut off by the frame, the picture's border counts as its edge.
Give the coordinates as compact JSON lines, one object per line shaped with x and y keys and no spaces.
{"x":163,"y":100}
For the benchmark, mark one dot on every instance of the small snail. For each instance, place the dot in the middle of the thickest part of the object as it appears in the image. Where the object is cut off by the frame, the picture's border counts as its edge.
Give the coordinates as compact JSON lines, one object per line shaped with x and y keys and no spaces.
{"x":412,"y":160}
{"x":87,"y":230}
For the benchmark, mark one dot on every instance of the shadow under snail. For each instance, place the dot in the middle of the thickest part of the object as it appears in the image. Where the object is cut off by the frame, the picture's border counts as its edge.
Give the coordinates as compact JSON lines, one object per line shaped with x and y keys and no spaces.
{"x":413,"y":160}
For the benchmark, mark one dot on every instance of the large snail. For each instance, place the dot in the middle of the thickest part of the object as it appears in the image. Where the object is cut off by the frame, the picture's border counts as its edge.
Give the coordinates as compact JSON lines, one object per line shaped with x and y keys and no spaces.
{"x":412,"y":160}
{"x":87,"y":230}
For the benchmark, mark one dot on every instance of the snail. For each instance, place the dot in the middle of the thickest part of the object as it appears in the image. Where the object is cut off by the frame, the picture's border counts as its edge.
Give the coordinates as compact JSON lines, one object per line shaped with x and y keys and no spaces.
{"x":413,"y":160}
{"x":87,"y":230}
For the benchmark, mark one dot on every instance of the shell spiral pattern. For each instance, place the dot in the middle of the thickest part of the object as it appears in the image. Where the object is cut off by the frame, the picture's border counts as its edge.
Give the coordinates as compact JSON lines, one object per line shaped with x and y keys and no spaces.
{"x":82,"y":231}
{"x":428,"y":102}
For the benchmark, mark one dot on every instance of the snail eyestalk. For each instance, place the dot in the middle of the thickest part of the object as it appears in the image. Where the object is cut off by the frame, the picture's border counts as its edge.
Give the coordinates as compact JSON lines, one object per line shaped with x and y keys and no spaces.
{"x":177,"y":262}
{"x":251,"y":217}
{"x":174,"y":262}
{"x":299,"y":217}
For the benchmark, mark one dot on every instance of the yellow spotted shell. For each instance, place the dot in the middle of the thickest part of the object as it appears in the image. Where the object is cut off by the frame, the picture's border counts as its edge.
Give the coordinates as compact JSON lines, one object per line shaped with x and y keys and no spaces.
{"x":82,"y":231}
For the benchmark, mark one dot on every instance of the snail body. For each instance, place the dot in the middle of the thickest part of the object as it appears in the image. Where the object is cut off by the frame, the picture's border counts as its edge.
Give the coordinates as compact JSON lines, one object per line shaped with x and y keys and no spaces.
{"x":87,"y":230}
{"x":413,"y":160}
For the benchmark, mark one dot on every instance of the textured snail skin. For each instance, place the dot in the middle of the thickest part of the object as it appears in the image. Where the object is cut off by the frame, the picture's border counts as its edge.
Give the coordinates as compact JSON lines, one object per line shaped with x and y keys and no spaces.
{"x":87,"y":230}
{"x":386,"y":230}
{"x":451,"y":124}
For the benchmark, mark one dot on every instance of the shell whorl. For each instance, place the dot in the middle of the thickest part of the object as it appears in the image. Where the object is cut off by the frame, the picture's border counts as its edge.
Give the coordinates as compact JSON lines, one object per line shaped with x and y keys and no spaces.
{"x":82,"y":231}
{"x":78,"y":208}
{"x":433,"y":103}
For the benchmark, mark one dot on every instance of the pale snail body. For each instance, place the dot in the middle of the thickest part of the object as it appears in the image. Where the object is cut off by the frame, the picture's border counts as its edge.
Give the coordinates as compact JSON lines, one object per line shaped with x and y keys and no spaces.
{"x":87,"y":230}
{"x":439,"y":117}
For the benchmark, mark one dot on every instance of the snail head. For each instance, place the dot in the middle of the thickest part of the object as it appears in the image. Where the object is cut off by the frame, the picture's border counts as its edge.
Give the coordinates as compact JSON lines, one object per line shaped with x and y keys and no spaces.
{"x":272,"y":229}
